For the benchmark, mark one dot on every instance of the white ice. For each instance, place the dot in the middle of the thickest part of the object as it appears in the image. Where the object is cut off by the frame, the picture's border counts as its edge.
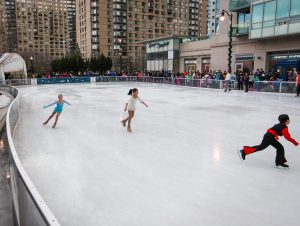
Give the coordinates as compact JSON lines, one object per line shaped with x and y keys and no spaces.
{"x":179,"y":167}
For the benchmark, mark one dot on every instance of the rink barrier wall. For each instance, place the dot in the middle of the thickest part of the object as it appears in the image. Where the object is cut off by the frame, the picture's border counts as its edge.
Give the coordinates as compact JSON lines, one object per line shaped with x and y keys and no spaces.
{"x":29,"y":208}
{"x":259,"y":86}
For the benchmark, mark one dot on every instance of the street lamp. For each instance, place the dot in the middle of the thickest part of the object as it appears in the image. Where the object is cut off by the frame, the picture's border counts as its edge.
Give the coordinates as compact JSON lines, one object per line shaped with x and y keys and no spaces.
{"x":31,"y":64}
{"x":222,"y":18}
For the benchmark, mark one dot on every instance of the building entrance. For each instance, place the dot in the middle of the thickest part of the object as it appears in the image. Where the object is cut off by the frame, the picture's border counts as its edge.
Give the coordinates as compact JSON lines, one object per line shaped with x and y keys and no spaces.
{"x":283,"y":63}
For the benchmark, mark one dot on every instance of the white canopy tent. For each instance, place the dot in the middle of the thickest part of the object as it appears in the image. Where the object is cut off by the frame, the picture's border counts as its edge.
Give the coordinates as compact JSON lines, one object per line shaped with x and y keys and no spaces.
{"x":11,"y":62}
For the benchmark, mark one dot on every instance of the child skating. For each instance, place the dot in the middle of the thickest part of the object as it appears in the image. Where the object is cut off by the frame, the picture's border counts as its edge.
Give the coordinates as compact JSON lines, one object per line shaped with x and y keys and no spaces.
{"x":130,"y":106}
{"x":271,"y":138}
{"x":57,"y":110}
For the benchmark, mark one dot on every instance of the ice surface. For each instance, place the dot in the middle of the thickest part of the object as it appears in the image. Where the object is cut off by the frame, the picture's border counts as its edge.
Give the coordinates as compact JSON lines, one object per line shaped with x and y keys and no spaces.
{"x":179,"y":167}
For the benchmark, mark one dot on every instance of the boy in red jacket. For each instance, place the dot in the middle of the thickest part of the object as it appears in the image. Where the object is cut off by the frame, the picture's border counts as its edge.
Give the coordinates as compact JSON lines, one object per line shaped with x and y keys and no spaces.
{"x":271,"y":138}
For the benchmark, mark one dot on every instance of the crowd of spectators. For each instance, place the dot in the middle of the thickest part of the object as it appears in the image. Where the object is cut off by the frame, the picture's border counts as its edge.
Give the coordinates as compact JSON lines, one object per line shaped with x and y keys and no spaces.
{"x":239,"y":77}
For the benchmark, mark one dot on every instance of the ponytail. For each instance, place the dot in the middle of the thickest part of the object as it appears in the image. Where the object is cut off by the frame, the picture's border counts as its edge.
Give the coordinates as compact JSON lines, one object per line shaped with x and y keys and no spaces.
{"x":130,"y":92}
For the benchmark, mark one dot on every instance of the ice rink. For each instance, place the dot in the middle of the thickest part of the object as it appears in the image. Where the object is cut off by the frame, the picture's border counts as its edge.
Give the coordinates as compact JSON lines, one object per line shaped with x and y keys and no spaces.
{"x":179,"y":167}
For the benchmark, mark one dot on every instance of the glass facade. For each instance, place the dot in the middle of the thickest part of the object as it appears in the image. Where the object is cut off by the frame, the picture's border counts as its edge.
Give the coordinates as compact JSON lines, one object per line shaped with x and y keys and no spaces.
{"x":274,"y":18}
{"x":237,"y":5}
{"x":295,"y":7}
{"x":163,"y":55}
{"x":242,"y":27}
{"x":283,"y":7}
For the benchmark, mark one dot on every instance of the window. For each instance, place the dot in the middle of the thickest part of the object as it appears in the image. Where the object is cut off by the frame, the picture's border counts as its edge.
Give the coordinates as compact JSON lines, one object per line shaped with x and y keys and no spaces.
{"x":257,"y":13}
{"x":257,"y":16}
{"x":269,"y":11}
{"x":295,"y":7}
{"x":283,"y":7}
{"x":269,"y":18}
{"x":243,"y":18}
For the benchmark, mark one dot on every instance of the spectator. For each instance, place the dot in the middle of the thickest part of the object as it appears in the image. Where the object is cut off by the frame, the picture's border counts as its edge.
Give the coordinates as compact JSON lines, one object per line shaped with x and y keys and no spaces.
{"x":227,"y":82}
{"x":298,"y":84}
{"x":246,"y":82}
{"x":251,"y":80}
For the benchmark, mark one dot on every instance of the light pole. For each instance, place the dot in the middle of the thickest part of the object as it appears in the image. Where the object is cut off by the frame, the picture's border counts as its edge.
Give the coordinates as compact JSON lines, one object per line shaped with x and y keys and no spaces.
{"x":222,"y":18}
{"x":31,"y":64}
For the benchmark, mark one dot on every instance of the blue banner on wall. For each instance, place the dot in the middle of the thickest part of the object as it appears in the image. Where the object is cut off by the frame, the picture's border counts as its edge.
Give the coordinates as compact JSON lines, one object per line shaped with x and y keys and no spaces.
{"x":62,"y":80}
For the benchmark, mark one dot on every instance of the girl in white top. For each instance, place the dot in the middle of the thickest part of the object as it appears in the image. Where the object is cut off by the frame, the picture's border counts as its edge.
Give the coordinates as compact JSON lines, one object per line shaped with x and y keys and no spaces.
{"x":130,"y":106}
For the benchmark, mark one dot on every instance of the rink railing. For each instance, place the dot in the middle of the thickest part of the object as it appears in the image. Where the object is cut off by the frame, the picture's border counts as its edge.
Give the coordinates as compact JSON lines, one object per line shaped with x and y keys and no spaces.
{"x":258,"y":86}
{"x":28,"y":205}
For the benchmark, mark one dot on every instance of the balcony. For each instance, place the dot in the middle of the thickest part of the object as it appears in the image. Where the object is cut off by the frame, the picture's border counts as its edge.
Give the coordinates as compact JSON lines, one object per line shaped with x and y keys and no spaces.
{"x":239,"y":5}
{"x":240,"y":30}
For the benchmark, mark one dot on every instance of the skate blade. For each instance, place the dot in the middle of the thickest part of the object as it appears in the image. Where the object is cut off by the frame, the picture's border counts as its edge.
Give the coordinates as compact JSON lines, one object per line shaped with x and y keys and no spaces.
{"x":239,"y":153}
{"x":281,"y":167}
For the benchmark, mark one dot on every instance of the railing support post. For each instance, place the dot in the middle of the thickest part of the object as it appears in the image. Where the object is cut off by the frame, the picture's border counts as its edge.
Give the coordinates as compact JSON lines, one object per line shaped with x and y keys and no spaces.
{"x":280,"y":87}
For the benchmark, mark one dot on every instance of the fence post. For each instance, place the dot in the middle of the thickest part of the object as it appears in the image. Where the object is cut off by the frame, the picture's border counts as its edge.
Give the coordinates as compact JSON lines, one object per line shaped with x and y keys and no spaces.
{"x":93,"y":80}
{"x":221,"y":84}
{"x":280,"y":86}
{"x":185,"y":81}
{"x":34,"y":81}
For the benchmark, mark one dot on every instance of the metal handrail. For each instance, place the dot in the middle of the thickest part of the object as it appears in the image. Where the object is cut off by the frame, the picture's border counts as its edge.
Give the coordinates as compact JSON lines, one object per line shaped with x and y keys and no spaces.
{"x":42,"y":207}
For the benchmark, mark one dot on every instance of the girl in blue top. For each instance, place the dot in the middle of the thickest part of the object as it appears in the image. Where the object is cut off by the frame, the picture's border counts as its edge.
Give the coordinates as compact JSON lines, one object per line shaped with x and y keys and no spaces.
{"x":57,"y":110}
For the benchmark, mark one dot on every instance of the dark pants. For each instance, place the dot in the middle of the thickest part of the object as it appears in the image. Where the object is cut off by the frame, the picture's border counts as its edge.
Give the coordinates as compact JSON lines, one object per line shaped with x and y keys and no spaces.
{"x":240,"y":85}
{"x":246,"y":86}
{"x":298,"y":90}
{"x":268,"y":140}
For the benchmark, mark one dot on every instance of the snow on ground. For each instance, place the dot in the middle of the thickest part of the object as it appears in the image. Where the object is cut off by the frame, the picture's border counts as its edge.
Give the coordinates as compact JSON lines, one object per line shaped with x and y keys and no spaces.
{"x":179,"y":167}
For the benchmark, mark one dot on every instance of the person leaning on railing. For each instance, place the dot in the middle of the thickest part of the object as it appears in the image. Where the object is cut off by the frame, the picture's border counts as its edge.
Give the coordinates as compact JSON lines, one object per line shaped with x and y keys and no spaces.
{"x":298,"y":84}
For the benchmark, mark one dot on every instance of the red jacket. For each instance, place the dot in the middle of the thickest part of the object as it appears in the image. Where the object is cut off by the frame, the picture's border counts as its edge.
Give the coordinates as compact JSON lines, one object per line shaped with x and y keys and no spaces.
{"x":298,"y":79}
{"x":281,"y":129}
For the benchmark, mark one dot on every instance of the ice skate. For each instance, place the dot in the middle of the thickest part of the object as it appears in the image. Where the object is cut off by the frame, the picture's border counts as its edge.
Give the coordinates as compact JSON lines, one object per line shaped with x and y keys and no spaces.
{"x":285,"y":166}
{"x":129,"y":130}
{"x":45,"y":123}
{"x":242,"y":154}
{"x":123,"y":123}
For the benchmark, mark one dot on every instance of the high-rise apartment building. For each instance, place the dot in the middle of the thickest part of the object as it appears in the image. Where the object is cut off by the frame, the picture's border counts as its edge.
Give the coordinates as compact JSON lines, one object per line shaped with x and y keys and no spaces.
{"x":116,"y":28}
{"x":43,"y":29}
{"x":197,"y":17}
{"x":8,"y":30}
{"x":213,"y":16}
{"x":71,"y":15}
{"x":203,"y":17}
{"x":1,"y":27}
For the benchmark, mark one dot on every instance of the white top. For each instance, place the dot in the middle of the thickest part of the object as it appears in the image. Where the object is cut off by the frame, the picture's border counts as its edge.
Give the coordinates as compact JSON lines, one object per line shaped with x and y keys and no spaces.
{"x":132,"y":102}
{"x":228,"y":77}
